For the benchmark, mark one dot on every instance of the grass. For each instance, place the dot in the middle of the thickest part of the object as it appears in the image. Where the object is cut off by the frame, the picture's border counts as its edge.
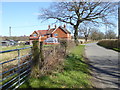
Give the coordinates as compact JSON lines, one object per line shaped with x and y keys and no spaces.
{"x":13,"y":47}
{"x":75,"y":74}
{"x":14,"y":54}
{"x":116,"y":49}
{"x":90,"y":42}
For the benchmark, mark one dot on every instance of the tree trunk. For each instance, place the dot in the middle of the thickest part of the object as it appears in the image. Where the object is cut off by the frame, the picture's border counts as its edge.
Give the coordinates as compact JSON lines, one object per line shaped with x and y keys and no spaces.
{"x":86,"y":37}
{"x":41,"y":55}
{"x":76,"y":35}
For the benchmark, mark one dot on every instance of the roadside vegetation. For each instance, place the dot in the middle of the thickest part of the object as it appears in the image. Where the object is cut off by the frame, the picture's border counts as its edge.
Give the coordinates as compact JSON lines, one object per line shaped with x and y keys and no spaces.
{"x":110,"y":44}
{"x":73,"y":74}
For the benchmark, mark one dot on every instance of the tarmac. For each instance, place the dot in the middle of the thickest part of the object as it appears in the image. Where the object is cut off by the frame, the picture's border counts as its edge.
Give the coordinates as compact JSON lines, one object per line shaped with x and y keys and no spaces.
{"x":105,"y":64}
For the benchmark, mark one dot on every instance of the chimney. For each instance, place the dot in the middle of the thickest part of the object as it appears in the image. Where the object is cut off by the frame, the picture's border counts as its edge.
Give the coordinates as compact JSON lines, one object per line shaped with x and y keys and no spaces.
{"x":55,"y":26}
{"x":64,"y":26}
{"x":48,"y":27}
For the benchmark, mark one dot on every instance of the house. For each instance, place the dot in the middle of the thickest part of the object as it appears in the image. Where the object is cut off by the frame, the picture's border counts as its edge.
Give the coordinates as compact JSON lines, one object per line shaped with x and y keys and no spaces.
{"x":8,"y":43}
{"x":57,"y":32}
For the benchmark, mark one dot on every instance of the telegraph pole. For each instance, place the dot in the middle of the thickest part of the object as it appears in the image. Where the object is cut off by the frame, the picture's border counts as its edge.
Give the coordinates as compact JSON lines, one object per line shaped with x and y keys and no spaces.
{"x":10,"y":31}
{"x":119,"y":20}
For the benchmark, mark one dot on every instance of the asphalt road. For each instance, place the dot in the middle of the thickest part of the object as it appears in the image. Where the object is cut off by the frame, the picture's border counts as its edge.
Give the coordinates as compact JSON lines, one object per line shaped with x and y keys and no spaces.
{"x":104,"y":63}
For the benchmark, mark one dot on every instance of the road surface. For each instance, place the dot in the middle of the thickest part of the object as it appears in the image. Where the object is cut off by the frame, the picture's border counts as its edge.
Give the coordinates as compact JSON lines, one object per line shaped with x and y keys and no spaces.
{"x":104,"y":63}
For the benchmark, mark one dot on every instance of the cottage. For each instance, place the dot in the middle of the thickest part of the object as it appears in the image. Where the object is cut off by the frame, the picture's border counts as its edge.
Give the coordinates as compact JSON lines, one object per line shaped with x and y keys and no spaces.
{"x":56,"y":32}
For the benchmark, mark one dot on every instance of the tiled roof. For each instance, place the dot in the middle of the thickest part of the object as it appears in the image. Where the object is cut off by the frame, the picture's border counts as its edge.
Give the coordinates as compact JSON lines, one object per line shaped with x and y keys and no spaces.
{"x":50,"y":31}
{"x":64,"y":29}
{"x":41,"y":32}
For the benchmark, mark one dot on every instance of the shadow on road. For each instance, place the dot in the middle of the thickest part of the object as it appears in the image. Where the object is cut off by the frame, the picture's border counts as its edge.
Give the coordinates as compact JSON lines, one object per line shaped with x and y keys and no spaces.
{"x":113,"y":74}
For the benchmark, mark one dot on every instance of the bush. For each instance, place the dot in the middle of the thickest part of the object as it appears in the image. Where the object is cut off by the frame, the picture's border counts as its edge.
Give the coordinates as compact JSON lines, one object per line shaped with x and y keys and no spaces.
{"x":54,"y":57}
{"x":109,"y":43}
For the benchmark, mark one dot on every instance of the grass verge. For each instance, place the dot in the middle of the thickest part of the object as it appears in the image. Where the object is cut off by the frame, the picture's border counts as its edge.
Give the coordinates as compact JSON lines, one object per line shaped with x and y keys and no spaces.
{"x":75,"y":74}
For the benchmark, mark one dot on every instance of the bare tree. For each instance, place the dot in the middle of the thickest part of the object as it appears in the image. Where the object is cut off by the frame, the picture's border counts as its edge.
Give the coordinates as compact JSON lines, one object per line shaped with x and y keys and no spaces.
{"x":95,"y":34}
{"x":110,"y":34}
{"x":85,"y":30}
{"x":75,"y":13}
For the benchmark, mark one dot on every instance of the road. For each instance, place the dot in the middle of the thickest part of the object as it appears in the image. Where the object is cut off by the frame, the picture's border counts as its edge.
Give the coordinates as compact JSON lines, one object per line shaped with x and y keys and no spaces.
{"x":104,"y":63}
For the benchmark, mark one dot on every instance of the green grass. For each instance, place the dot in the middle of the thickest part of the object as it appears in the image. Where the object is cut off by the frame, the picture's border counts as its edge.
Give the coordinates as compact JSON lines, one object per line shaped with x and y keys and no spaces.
{"x":116,"y":49}
{"x":75,"y":74}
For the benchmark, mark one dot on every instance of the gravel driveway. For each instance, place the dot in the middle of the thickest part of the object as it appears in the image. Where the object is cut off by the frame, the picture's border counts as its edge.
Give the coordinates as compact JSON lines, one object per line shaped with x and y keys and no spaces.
{"x":104,"y":63}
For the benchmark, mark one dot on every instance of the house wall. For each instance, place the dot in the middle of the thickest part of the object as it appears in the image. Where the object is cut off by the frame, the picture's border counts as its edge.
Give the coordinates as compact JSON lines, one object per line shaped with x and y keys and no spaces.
{"x":43,"y":38}
{"x":32,"y":38}
{"x":61,"y":33}
{"x":69,"y":36}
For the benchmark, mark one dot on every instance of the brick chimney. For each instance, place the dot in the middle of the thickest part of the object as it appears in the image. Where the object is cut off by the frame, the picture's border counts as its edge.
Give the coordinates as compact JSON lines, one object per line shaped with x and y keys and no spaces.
{"x":55,"y":26}
{"x":64,"y":26}
{"x":48,"y":27}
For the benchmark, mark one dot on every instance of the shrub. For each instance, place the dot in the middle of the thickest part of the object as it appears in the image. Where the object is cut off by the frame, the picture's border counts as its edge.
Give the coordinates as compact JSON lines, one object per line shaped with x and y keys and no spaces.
{"x":109,"y":43}
{"x":54,"y":57}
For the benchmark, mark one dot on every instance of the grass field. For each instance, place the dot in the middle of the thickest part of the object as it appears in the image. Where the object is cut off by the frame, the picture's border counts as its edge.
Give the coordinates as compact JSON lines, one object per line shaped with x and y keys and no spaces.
{"x":13,"y":47}
{"x":11,"y":55}
{"x":75,"y":74}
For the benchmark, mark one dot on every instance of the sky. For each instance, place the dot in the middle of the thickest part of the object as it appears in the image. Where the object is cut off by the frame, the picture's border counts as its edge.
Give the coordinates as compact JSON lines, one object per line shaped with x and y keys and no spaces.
{"x":22,"y":17}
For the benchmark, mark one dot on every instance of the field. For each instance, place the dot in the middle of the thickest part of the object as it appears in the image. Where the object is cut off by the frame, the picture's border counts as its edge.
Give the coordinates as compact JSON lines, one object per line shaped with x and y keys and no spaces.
{"x":14,"y":54}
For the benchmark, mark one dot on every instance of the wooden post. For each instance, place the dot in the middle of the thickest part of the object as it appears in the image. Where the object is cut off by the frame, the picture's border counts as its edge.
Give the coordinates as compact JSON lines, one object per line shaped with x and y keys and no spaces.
{"x":119,"y":20}
{"x":36,"y":62}
{"x":41,"y":55}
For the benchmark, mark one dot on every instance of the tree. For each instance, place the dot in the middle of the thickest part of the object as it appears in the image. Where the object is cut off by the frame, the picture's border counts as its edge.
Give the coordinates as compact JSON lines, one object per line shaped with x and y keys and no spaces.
{"x":95,"y":34}
{"x":110,"y":34}
{"x":85,"y":30}
{"x":75,"y":13}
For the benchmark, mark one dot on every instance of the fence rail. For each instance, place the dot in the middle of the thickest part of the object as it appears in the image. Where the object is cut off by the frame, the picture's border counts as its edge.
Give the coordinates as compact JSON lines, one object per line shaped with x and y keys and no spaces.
{"x":14,"y":77}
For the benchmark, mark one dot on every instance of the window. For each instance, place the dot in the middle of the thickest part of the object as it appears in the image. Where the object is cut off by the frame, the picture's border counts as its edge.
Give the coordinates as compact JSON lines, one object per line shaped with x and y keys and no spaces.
{"x":55,"y":34}
{"x":34,"y":35}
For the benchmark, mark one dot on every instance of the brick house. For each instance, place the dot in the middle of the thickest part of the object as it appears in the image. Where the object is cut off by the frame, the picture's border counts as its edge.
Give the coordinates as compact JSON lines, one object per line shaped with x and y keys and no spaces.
{"x":57,"y":32}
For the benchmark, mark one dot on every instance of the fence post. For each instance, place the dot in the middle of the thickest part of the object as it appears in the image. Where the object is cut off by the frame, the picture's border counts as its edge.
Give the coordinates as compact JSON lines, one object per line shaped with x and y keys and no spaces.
{"x":1,"y":66}
{"x":35,"y":62}
{"x":18,"y":67}
{"x":41,"y":55}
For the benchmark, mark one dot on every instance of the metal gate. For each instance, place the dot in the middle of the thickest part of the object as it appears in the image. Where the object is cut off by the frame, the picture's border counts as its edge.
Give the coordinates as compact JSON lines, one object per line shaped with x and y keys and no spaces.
{"x":12,"y":76}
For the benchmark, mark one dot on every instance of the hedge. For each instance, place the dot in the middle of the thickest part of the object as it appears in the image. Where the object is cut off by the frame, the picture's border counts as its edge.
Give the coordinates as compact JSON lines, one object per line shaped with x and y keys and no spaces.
{"x":111,"y":44}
